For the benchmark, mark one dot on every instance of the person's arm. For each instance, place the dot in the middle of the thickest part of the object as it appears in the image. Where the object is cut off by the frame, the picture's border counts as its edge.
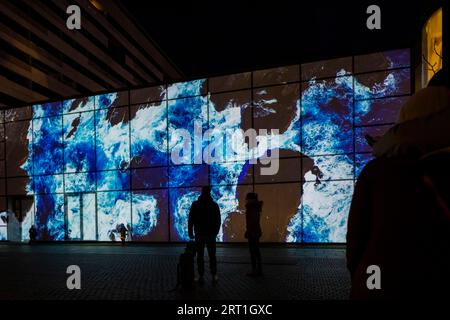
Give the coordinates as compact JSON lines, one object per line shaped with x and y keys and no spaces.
{"x":419,"y":135}
{"x":191,"y":221}
{"x":358,"y":221}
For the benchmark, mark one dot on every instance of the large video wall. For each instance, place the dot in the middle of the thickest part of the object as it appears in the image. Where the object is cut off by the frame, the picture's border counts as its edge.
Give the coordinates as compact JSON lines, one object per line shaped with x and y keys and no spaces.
{"x":91,"y":164}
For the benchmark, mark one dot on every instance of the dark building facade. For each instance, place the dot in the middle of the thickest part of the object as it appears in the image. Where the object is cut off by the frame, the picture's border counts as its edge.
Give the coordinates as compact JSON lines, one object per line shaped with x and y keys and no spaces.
{"x":41,"y":59}
{"x":92,"y":120}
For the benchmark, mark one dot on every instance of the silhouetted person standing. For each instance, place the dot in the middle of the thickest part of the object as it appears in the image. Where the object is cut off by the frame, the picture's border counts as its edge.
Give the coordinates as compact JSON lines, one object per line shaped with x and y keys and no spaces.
{"x":253,"y":232}
{"x":32,"y":232}
{"x":204,"y":225}
{"x":123,"y":232}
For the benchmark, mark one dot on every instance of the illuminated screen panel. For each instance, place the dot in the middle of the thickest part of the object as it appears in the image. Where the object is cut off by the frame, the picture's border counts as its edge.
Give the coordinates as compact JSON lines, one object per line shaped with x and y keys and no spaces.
{"x":3,"y":219}
{"x":112,"y":138}
{"x":78,"y":105}
{"x":80,"y":182}
{"x":47,"y":145}
{"x":325,"y":208}
{"x":231,"y":108}
{"x":19,"y":186}
{"x":230,"y":115}
{"x":185,"y":147}
{"x":149,"y":135}
{"x":2,"y":133}
{"x":137,"y":158}
{"x":382,"y":61}
{"x":382,"y":84}
{"x":29,"y":212}
{"x":276,"y":76}
{"x":180,"y":201}
{"x":231,"y":173}
{"x":327,"y":116}
{"x":113,"y":209}
{"x":18,"y":114}
{"x":19,"y":146}
{"x":150,"y":215}
{"x":231,"y":201}
{"x":49,"y":221}
{"x":361,"y":159}
{"x":47,"y":110}
{"x":48,"y":184}
{"x":361,"y":144}
{"x":230,"y":82}
{"x":80,"y":218}
{"x":334,"y":167}
{"x":149,"y":178}
{"x":79,"y":142}
{"x":113,"y":180}
{"x":326,"y":68}
{"x":280,"y":207}
{"x":278,"y":107}
{"x":378,"y":111}
{"x":289,"y":170}
{"x":73,"y":218}
{"x":148,"y":95}
{"x":187,"y":89}
{"x":88,"y":218}
{"x":188,"y":175}
{"x":111,"y":100}
{"x":3,"y":233}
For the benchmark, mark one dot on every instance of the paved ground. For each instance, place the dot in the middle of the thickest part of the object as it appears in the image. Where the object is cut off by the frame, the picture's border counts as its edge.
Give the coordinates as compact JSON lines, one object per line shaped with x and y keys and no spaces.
{"x":149,"y":272}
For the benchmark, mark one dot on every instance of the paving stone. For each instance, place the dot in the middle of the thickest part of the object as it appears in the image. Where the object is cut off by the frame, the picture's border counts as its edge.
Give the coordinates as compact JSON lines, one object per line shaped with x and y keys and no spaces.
{"x":148,"y":272}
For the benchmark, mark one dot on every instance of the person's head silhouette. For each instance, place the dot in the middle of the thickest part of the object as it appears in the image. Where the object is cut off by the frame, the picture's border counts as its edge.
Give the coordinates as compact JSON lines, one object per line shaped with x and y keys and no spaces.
{"x":251,"y":196}
{"x":206,"y":191}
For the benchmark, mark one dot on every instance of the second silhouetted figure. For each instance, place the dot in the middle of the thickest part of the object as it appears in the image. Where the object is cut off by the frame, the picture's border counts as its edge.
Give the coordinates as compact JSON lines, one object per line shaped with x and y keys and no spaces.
{"x":253,"y":209}
{"x":204,"y":225}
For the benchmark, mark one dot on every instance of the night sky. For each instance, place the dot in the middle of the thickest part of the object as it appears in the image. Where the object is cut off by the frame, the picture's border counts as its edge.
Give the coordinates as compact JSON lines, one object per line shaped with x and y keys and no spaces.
{"x":220,"y":37}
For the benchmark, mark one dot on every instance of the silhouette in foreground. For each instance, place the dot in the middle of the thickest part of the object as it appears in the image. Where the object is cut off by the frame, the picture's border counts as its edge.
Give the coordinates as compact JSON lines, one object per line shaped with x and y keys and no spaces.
{"x":253,"y":231}
{"x":32,"y":233}
{"x":123,"y":231}
{"x":203,"y":226}
{"x":399,"y":219}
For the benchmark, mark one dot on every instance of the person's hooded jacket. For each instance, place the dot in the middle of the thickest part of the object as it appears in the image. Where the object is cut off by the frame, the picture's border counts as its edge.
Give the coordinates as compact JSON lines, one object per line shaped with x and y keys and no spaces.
{"x":204,"y":218}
